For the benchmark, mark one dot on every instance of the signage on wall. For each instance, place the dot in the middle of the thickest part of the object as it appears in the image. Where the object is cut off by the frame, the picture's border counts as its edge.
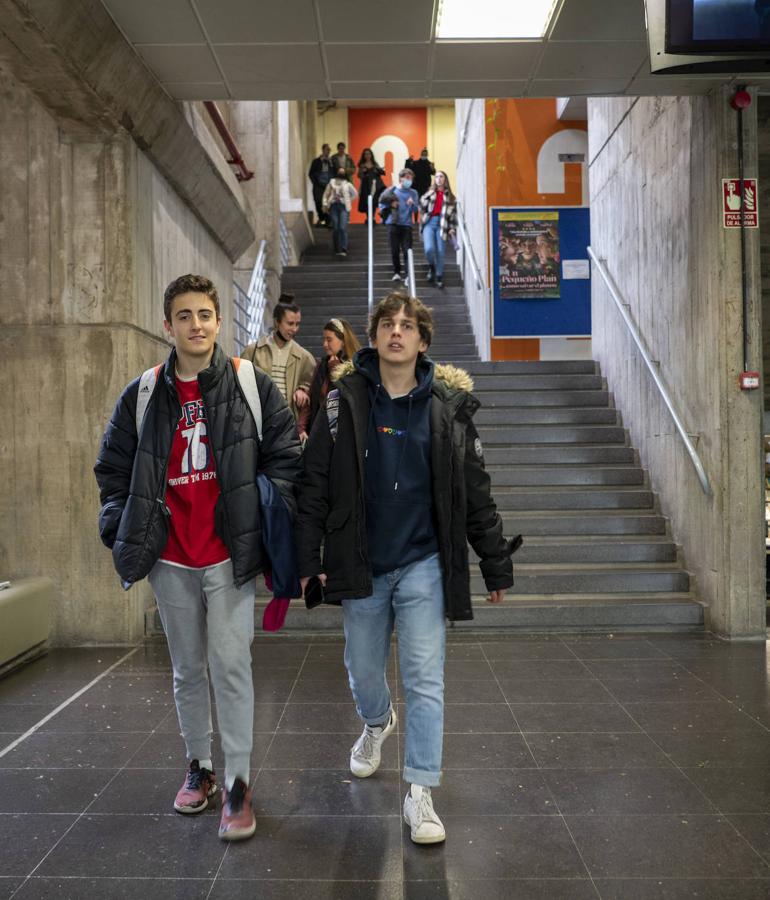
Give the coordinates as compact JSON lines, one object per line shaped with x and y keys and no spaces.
{"x":541,"y":279}
{"x":731,"y":203}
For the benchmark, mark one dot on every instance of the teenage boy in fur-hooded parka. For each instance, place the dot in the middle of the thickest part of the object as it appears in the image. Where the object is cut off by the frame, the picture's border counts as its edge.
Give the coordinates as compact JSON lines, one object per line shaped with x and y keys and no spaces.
{"x":395,"y":486}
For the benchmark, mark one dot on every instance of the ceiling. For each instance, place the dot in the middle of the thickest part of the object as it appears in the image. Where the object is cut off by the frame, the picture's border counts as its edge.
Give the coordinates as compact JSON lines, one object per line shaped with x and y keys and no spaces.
{"x":340,"y":50}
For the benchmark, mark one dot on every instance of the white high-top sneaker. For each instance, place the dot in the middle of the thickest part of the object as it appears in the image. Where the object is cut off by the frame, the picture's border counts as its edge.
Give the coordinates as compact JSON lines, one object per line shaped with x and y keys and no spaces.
{"x":420,"y":816}
{"x":366,"y":753}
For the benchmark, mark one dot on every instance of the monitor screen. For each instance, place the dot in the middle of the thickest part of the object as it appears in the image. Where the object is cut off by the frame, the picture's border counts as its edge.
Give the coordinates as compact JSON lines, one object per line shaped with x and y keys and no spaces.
{"x":714,"y":26}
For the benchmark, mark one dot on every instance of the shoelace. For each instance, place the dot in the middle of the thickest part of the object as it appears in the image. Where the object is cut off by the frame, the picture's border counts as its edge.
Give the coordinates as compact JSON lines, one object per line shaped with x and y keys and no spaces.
{"x":425,"y":810}
{"x":367,"y":743}
{"x":194,"y":779}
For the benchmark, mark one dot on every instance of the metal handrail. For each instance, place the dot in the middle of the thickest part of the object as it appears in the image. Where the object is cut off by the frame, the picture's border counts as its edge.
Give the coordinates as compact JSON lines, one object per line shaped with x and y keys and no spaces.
{"x":410,"y":267}
{"x":462,"y":234}
{"x":639,"y":341}
{"x":370,"y":267}
{"x":250,"y":305}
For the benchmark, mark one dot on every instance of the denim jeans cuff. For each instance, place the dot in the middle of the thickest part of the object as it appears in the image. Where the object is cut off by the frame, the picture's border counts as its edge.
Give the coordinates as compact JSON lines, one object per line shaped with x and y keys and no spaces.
{"x":421,"y":777}
{"x":377,"y":721}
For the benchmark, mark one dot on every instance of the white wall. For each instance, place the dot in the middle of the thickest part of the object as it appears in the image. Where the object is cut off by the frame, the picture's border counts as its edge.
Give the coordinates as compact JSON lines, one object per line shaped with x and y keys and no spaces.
{"x":471,"y":189}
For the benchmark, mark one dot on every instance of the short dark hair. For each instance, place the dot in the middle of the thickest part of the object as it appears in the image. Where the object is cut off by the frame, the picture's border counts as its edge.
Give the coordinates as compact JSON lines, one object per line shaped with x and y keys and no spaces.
{"x":189,"y":284}
{"x":405,"y":172}
{"x":281,"y":308}
{"x":391,"y":303}
{"x":341,"y":144}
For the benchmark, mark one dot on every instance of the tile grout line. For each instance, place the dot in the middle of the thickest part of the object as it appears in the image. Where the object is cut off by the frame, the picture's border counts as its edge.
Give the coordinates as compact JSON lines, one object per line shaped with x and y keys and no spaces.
{"x":30,"y":731}
{"x":539,"y":768}
{"x":83,"y":812}
{"x":680,"y":769}
{"x":253,"y":780}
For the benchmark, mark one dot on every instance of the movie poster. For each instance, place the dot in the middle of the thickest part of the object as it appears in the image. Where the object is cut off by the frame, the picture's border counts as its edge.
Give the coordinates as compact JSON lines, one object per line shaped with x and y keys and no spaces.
{"x":529,"y":255}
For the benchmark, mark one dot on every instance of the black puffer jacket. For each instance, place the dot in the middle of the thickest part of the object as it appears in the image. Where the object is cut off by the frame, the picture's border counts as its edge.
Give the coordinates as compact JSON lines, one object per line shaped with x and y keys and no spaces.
{"x":131,"y":474}
{"x":331,"y":506}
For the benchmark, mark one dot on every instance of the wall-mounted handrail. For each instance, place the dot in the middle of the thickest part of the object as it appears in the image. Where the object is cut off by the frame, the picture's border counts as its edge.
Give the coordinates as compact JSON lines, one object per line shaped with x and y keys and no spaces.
{"x":467,"y":247}
{"x":639,"y":341}
{"x":245,"y":174}
{"x":370,"y":266}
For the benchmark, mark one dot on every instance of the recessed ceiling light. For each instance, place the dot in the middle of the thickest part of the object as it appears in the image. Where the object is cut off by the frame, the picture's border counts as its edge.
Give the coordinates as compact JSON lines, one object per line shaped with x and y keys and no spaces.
{"x":493,"y":19}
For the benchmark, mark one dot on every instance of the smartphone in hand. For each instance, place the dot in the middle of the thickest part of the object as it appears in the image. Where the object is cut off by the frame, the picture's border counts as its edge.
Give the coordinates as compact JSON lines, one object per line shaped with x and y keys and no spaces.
{"x":314,"y":592}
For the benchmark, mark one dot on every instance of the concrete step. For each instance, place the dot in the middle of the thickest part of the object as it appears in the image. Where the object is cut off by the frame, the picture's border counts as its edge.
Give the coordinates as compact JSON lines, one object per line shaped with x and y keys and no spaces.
{"x":568,"y":454}
{"x":562,"y":497}
{"x":566,"y":550}
{"x":597,"y":580}
{"x":564,"y":475}
{"x":538,"y":382}
{"x":536,"y":367}
{"x":597,"y":522}
{"x":552,"y":434}
{"x":538,"y":399}
{"x":552,"y":415}
{"x":625,"y":612}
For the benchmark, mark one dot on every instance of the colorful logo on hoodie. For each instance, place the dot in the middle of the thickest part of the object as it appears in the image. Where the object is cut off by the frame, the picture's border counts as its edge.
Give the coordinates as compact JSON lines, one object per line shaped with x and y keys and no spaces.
{"x":393,"y":432}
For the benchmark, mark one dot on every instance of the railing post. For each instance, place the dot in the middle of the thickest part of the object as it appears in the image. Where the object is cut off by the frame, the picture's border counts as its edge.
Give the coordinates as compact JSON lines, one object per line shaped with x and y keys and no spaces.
{"x":370,"y":272}
{"x":410,"y":266}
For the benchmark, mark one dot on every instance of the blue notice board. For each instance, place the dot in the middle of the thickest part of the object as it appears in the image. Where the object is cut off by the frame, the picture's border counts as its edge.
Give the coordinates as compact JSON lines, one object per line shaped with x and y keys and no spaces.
{"x":541,"y":284}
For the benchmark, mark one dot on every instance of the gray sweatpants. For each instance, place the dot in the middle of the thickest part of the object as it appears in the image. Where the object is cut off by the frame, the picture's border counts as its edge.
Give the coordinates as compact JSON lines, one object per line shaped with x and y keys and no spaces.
{"x":208,"y":619}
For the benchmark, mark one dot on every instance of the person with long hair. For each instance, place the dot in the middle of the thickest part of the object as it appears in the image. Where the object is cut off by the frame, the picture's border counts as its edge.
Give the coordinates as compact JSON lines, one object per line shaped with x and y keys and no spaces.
{"x":370,"y":173}
{"x":339,"y":344}
{"x":438,"y":223}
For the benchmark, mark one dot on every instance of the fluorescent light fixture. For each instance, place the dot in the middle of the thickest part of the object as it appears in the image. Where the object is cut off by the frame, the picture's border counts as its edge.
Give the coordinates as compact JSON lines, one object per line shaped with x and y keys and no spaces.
{"x":493,"y":19}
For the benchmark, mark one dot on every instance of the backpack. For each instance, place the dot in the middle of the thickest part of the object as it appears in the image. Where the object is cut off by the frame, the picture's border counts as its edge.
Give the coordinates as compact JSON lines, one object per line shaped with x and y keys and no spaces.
{"x":247,"y":381}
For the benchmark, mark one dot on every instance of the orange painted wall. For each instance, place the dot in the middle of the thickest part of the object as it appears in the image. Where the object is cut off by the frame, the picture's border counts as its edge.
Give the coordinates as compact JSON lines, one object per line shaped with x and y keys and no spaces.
{"x":515,"y":132}
{"x":365,"y":126}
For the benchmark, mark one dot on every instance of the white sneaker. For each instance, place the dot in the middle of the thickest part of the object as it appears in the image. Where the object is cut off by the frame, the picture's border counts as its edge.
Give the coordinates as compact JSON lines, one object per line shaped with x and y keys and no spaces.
{"x":420,"y":816}
{"x":396,"y":277}
{"x":366,"y":753}
{"x":406,"y":282}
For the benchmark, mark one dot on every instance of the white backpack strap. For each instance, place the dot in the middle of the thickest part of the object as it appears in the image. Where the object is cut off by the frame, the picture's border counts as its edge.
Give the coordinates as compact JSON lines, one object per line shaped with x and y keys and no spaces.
{"x":146,"y":389}
{"x":247,"y":379}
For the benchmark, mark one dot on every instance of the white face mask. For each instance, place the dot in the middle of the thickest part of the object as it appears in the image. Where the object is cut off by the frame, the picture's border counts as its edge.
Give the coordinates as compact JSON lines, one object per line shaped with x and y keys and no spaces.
{"x":406,"y":183}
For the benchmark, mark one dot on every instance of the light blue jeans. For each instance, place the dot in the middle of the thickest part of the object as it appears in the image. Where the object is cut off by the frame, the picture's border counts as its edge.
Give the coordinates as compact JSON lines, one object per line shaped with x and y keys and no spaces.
{"x":433,"y":245}
{"x":412,"y":599}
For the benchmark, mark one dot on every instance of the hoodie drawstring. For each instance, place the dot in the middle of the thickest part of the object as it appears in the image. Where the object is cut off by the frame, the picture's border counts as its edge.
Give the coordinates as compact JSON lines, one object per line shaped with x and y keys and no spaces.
{"x":403,"y":446}
{"x":371,"y":420}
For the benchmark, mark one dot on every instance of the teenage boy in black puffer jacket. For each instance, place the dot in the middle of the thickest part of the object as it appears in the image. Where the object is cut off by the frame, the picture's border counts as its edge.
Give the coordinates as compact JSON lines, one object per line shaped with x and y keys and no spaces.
{"x":395,"y":486}
{"x":180,"y":505}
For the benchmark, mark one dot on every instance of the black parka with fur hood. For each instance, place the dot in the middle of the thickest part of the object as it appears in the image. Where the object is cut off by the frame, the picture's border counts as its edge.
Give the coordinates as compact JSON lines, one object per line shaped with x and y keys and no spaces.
{"x":131,"y":469}
{"x":331,"y":504}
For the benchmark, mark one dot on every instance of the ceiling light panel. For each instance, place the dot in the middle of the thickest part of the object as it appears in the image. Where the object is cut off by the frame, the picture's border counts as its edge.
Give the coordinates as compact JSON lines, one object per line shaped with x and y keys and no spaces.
{"x":493,"y":20}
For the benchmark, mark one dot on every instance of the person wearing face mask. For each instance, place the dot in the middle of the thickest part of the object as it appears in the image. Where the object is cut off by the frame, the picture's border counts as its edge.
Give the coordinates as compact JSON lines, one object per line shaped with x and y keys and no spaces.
{"x":438,"y":223}
{"x":399,"y":205}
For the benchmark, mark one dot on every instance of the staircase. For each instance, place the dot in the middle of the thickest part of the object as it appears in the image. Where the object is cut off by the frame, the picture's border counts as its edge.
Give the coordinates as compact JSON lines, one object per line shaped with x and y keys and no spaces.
{"x":598,"y":554}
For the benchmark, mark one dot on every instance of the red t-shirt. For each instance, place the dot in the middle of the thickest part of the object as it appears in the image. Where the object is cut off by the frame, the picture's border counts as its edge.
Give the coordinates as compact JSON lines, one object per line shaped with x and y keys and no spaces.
{"x":192,"y":488}
{"x":438,"y":205}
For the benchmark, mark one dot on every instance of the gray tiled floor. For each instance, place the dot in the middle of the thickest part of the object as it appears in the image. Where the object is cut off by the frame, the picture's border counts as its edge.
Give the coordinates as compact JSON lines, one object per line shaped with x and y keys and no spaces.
{"x":621,"y":768}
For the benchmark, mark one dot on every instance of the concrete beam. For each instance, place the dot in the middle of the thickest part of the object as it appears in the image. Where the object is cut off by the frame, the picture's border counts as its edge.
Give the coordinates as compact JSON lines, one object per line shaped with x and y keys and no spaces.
{"x":73,"y":57}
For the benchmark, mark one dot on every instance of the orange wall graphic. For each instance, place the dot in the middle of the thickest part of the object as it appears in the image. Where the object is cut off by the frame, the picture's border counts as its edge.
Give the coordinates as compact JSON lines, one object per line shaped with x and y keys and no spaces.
{"x":393,"y":135}
{"x":516,"y":131}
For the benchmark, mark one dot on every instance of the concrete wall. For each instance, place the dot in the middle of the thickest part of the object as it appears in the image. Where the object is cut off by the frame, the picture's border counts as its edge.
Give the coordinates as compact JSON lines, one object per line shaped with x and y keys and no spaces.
{"x":442,"y":140}
{"x":470,"y":188}
{"x":656,"y":166}
{"x":763,"y":144}
{"x":91,"y":233}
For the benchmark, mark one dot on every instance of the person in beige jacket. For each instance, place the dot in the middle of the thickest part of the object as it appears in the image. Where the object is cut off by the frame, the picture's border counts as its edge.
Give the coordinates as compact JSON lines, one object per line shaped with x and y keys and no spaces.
{"x":278,"y":355}
{"x":337,"y":200}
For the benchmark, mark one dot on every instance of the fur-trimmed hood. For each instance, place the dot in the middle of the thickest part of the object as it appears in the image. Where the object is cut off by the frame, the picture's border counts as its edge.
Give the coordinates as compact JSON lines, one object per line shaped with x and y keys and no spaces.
{"x":454,"y":378}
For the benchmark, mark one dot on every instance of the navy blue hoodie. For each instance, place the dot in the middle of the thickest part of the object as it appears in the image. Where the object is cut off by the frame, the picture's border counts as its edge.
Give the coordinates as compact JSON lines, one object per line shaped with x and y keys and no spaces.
{"x":398,"y":483}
